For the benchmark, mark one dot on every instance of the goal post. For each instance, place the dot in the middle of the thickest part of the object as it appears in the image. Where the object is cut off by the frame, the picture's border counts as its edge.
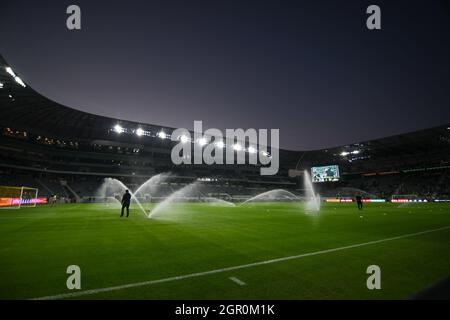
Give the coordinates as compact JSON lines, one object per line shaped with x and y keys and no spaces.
{"x":18,"y":197}
{"x":29,"y":197}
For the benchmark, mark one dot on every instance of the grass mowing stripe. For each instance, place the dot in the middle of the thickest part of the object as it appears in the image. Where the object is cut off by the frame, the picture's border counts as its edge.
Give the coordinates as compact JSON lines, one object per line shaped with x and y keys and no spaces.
{"x":244,"y":266}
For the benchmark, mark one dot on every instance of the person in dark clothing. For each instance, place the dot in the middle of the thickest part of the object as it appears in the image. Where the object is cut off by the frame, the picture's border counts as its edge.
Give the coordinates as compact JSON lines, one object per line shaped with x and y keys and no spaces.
{"x":126,"y":199}
{"x":359,"y":202}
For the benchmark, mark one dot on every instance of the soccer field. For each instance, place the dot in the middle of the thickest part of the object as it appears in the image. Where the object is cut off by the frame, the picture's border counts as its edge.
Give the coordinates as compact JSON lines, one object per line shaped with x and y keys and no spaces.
{"x":202,"y":251}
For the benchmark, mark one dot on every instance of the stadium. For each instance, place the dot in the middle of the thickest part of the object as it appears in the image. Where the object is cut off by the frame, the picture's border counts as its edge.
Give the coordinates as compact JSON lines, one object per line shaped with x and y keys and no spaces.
{"x":211,"y":231}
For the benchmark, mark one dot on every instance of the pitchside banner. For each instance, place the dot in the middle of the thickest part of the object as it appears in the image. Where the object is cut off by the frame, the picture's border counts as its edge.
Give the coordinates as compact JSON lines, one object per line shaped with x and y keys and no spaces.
{"x":14,"y":202}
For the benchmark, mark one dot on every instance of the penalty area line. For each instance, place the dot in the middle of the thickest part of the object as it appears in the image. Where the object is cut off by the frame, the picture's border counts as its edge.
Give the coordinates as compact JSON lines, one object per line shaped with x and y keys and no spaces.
{"x":243,"y":266}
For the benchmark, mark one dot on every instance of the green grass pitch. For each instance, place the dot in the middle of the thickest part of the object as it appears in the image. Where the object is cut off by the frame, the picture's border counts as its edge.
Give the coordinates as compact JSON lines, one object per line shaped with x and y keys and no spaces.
{"x":38,"y":244}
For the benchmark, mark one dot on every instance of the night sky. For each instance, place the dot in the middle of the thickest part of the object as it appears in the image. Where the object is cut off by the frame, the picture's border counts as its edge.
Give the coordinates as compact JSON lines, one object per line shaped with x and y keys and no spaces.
{"x":311,"y":69}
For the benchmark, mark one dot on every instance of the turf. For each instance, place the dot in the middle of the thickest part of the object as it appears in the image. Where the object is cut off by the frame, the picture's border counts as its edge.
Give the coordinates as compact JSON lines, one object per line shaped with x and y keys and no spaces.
{"x":37,"y":245}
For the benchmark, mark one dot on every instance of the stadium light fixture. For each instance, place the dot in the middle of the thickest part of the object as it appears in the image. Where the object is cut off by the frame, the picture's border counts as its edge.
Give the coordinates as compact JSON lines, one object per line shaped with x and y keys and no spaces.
{"x":1,"y":85}
{"x":162,"y":135}
{"x":11,"y":72}
{"x":252,"y":150}
{"x":183,"y":139}
{"x":118,"y":128}
{"x":237,"y":147}
{"x":344,"y":153}
{"x":139,"y":132}
{"x":19,"y":81}
{"x":356,"y":152}
{"x":220,"y":144}
{"x":202,"y":142}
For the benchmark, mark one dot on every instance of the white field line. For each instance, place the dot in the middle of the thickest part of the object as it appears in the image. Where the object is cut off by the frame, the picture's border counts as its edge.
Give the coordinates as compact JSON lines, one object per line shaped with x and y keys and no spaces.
{"x":238,"y":281}
{"x":243,"y":266}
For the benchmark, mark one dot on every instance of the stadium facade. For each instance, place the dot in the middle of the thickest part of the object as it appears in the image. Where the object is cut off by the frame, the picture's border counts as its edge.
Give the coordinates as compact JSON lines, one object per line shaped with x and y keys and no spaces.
{"x":63,"y":151}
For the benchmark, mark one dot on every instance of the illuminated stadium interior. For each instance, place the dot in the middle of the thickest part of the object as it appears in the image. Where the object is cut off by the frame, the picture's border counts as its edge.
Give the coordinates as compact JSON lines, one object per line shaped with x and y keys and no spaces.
{"x":44,"y":143}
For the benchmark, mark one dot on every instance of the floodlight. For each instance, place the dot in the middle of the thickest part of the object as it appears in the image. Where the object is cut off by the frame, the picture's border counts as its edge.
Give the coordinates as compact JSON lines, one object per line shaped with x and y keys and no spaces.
{"x":356,"y":152}
{"x":1,"y":85}
{"x":344,"y":153}
{"x":118,"y":128}
{"x":11,"y":72}
{"x":19,"y":81}
{"x":237,"y":147}
{"x":139,"y":132}
{"x":202,"y":142}
{"x":162,"y":135}
{"x":265,"y":154}
{"x":184,"y":139}
{"x":220,"y":145}
{"x":251,"y":149}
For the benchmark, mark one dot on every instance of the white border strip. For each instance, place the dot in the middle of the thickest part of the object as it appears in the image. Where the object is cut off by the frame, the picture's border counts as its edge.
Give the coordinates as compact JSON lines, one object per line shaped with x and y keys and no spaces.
{"x":244,"y":266}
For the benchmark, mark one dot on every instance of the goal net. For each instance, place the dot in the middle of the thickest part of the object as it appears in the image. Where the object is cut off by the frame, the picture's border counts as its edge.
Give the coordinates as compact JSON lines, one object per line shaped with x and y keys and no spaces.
{"x":19,"y":197}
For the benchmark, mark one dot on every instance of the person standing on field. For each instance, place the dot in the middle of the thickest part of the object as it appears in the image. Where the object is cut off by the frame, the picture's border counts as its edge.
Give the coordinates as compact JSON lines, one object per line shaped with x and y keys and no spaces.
{"x":359,"y":202}
{"x":126,"y":200}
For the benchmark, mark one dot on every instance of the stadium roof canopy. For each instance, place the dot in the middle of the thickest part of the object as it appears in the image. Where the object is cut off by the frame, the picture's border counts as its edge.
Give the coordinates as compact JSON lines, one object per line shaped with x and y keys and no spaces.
{"x":24,"y":107}
{"x":419,"y":142}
